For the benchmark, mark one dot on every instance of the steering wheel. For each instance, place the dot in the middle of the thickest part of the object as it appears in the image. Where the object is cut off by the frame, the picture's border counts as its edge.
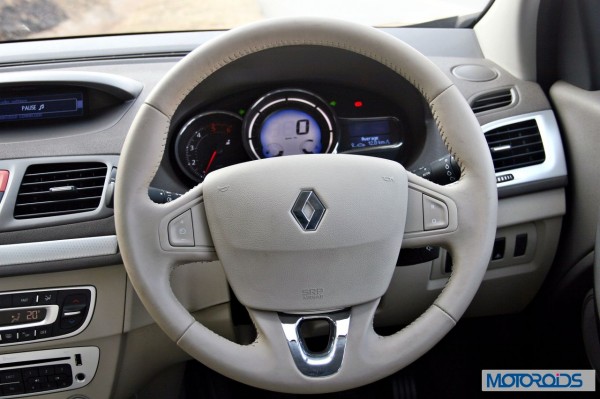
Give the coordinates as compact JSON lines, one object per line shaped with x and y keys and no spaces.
{"x":316,"y":240}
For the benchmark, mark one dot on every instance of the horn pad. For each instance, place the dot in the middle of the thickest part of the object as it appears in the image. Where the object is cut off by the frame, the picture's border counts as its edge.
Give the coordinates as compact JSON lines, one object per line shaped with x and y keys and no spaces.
{"x":308,"y":232}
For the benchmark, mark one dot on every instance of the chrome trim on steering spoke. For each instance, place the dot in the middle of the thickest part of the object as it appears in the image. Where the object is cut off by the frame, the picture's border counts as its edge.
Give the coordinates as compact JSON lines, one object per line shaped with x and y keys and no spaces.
{"x":330,"y":360}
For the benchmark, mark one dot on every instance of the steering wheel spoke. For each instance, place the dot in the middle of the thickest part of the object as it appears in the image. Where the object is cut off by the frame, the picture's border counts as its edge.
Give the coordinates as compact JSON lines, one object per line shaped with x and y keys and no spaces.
{"x":432,"y":214}
{"x":280,"y":349}
{"x":327,"y":359}
{"x":183,"y":231}
{"x":340,"y":339}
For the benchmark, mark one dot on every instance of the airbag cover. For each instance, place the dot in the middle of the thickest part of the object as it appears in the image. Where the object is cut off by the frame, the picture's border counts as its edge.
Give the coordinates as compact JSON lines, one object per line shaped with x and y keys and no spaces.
{"x":274,"y":262}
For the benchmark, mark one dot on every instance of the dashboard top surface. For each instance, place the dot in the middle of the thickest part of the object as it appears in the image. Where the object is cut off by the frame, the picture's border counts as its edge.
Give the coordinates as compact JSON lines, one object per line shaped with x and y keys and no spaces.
{"x":142,"y":60}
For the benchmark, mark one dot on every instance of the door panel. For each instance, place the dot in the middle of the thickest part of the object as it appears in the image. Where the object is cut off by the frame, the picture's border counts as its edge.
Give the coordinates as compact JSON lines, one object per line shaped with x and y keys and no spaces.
{"x":579,"y":114}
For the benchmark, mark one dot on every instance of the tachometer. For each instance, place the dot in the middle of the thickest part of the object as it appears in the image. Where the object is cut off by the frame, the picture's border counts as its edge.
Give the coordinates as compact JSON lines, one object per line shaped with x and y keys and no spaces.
{"x":289,"y":122}
{"x":208,"y":142}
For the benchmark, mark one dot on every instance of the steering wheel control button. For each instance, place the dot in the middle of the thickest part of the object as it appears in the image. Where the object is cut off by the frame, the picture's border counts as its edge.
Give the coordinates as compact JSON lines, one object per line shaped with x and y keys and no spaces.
{"x":308,"y":210}
{"x":181,"y":230}
{"x":435,"y":213}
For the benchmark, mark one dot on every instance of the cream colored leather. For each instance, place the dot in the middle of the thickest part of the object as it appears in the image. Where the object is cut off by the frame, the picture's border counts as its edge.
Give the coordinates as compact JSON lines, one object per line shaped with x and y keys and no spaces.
{"x":267,"y":363}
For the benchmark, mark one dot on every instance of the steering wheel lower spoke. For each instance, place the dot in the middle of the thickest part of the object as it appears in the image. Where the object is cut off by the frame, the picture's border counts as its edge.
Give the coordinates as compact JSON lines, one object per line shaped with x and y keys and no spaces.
{"x":328,"y":359}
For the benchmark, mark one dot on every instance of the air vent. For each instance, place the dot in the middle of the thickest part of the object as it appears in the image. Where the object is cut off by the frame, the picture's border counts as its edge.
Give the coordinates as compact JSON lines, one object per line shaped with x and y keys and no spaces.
{"x":516,"y":145}
{"x":493,"y":100}
{"x":60,"y":189}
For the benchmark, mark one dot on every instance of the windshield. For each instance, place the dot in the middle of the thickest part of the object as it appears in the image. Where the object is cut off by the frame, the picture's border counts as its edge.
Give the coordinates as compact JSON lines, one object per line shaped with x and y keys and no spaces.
{"x":35,"y":19}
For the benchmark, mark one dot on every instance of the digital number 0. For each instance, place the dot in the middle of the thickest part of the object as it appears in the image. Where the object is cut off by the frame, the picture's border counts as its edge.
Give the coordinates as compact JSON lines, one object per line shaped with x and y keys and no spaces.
{"x":302,"y":126}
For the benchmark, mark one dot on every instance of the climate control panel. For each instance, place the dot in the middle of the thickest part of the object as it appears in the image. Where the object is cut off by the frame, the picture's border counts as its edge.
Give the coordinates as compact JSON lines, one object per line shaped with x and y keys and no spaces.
{"x":45,"y":314}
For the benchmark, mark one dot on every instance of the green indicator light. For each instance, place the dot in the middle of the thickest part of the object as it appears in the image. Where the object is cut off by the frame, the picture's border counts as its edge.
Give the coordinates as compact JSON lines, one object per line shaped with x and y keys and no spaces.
{"x":242,"y":112}
{"x":333,"y":103}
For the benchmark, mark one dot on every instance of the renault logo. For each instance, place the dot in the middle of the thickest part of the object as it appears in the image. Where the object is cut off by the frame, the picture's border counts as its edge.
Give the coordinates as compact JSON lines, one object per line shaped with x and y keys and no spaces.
{"x":308,"y":210}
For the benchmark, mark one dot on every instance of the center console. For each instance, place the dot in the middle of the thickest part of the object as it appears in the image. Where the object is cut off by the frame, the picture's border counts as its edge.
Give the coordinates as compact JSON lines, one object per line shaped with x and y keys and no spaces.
{"x":28,"y":316}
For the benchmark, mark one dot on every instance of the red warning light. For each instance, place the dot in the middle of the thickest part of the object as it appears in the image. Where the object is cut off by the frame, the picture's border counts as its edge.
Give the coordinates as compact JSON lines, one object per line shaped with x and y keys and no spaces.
{"x":358,"y":104}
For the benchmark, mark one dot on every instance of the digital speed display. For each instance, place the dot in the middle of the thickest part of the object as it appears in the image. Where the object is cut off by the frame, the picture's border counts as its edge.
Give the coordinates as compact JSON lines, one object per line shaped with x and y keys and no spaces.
{"x":289,"y":132}
{"x":21,"y":316}
{"x":289,"y":122}
{"x":48,"y":106}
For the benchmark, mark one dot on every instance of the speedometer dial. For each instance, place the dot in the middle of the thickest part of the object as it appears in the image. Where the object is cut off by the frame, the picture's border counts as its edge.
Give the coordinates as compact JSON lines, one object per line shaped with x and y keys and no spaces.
{"x":208,"y":142}
{"x":289,"y":122}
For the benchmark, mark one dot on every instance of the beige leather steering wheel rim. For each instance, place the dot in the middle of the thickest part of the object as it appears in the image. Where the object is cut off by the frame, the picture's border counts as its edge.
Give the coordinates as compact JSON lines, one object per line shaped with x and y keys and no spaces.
{"x":268,"y":362}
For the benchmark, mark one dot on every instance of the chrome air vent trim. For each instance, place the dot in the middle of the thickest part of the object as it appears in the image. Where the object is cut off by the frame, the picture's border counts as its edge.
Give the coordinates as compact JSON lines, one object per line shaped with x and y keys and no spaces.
{"x":515,"y":146}
{"x":552,"y":168}
{"x":17,"y":169}
{"x":53,"y":189}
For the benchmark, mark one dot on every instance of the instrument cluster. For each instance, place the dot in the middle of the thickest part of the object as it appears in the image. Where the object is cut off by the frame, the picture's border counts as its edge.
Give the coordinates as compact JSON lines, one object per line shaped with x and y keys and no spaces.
{"x":282,"y":122}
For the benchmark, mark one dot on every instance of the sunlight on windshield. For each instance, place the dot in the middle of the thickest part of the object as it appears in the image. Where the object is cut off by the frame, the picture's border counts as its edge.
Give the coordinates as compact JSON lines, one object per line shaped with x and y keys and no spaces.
{"x":31,"y":19}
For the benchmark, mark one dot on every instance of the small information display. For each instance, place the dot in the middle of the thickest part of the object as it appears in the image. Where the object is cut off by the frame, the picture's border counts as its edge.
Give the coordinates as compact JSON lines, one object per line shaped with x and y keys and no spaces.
{"x":41,"y":106}
{"x":370,"y":133}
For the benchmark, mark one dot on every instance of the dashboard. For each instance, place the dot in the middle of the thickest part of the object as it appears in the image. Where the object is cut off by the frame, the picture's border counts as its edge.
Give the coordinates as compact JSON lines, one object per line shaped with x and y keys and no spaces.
{"x":244,"y":112}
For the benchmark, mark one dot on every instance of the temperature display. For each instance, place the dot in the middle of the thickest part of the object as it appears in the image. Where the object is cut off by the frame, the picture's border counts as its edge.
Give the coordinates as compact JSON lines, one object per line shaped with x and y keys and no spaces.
{"x":21,"y":316}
